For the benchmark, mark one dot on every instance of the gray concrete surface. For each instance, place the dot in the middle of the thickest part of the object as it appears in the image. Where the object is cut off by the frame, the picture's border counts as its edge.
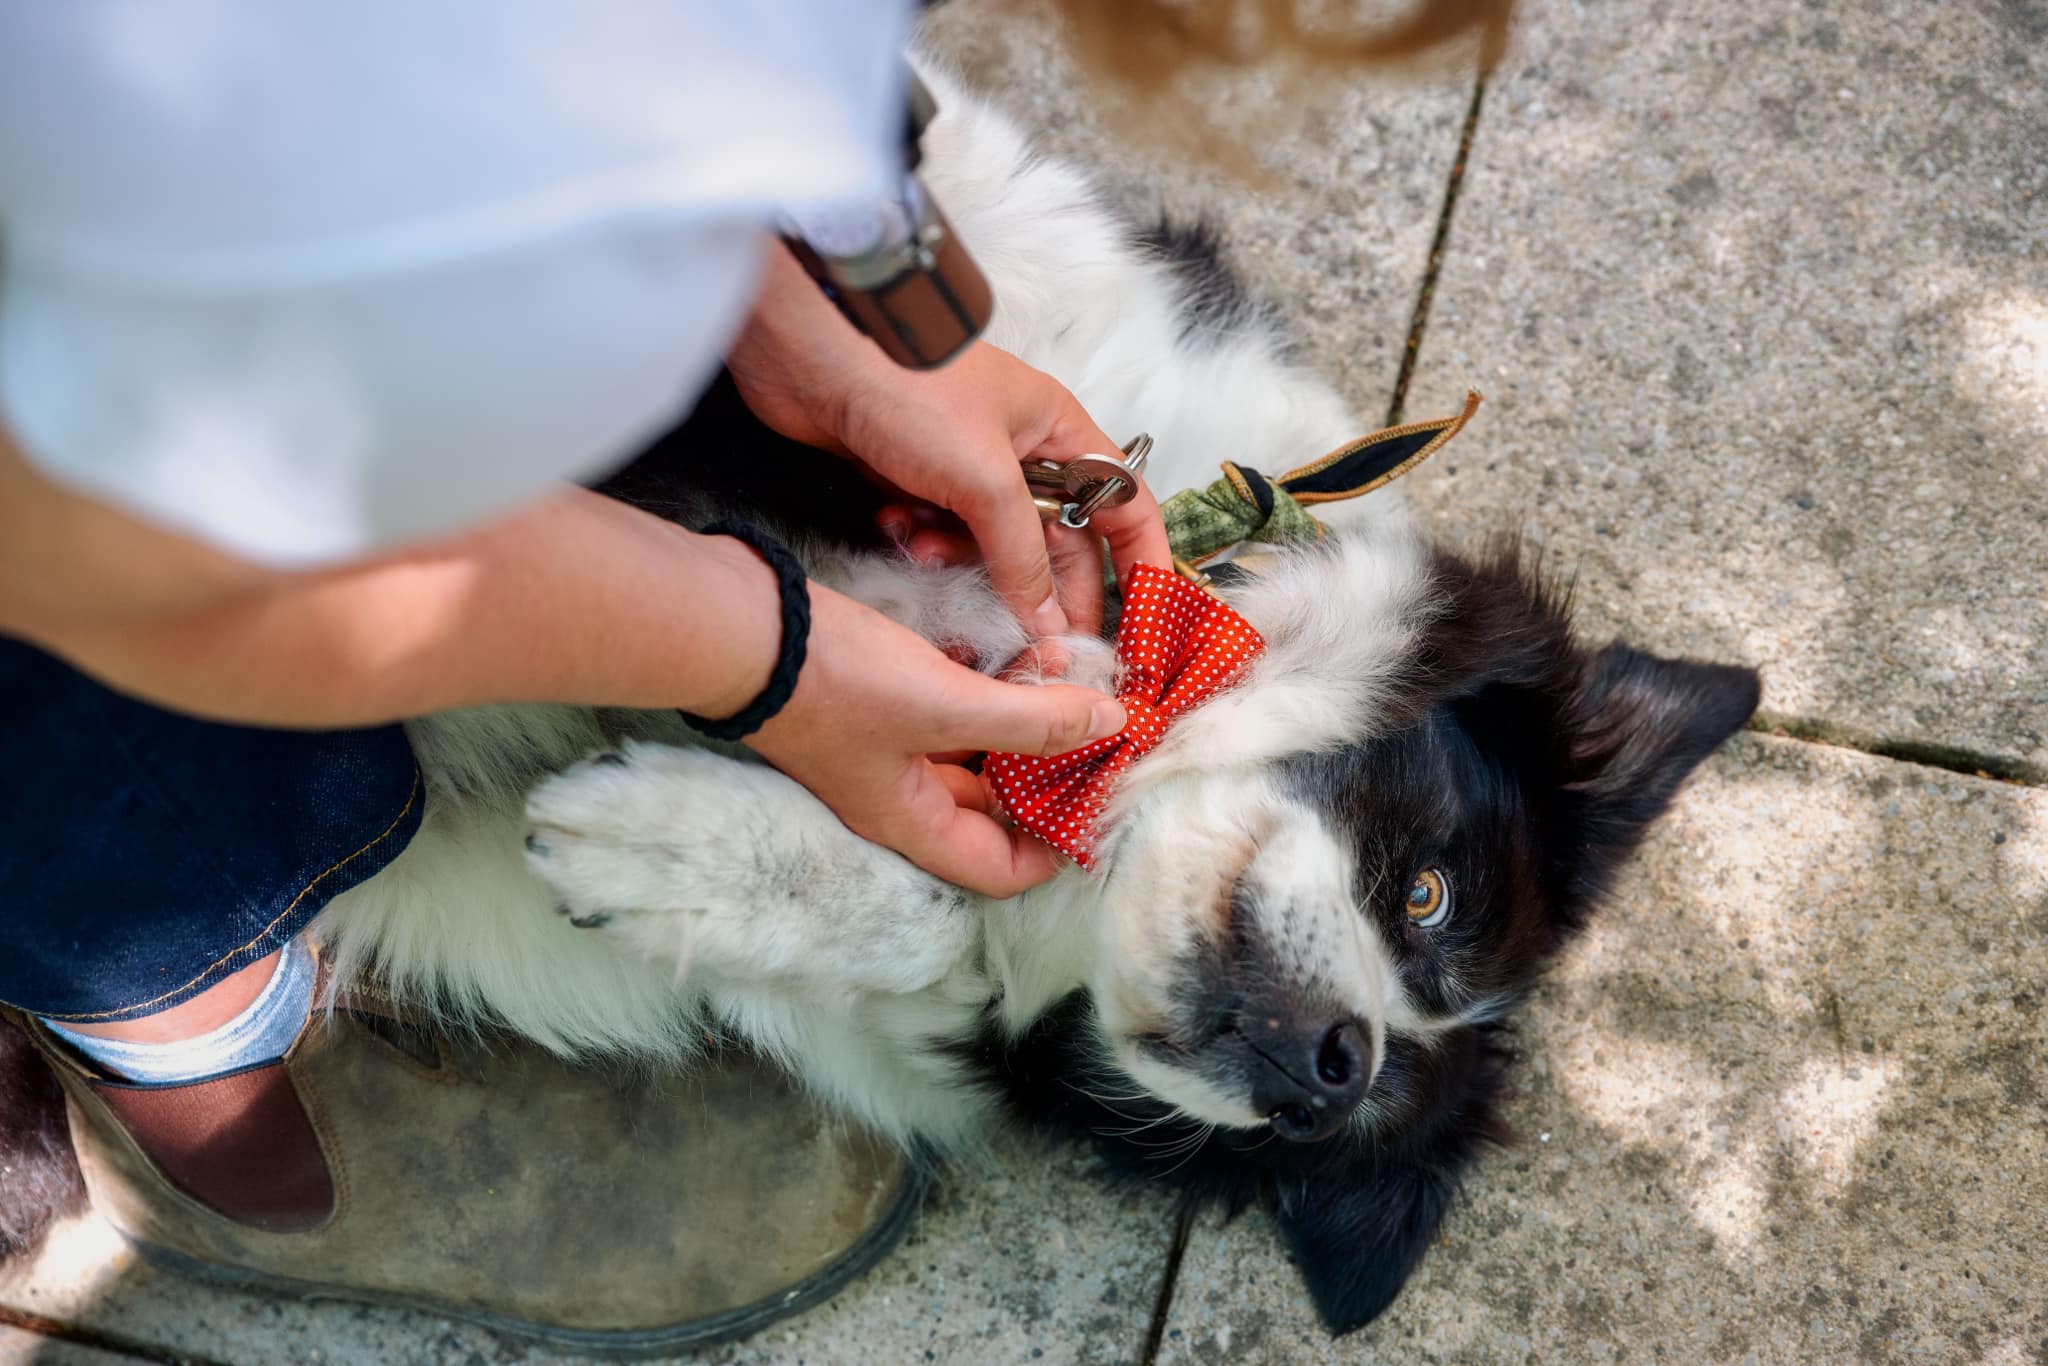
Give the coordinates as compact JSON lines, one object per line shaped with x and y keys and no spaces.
{"x":1760,"y":303}
{"x":1335,"y":230}
{"x":19,"y":1347}
{"x":1784,"y":1103}
{"x":1760,"y":299}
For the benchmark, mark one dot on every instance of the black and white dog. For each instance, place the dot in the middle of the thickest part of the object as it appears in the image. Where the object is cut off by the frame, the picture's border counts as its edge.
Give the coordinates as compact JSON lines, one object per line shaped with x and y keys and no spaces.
{"x":1317,"y":898}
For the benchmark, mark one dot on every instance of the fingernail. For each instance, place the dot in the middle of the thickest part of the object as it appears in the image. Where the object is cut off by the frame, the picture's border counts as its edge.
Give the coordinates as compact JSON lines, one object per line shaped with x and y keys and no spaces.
{"x":1049,"y":620}
{"x":1105,"y":718}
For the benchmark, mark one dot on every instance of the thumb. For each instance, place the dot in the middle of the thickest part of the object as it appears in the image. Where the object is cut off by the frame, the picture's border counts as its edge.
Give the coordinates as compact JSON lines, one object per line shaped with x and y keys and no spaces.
{"x":1024,"y":719}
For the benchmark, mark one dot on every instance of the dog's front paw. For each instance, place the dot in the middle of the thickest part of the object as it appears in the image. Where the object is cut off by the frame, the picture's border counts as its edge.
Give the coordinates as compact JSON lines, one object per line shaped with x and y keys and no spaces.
{"x":729,"y":867}
{"x":612,"y":837}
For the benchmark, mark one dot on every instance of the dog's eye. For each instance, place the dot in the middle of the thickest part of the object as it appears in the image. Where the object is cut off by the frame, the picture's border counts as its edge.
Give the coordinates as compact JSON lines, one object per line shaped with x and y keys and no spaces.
{"x":1429,"y":899}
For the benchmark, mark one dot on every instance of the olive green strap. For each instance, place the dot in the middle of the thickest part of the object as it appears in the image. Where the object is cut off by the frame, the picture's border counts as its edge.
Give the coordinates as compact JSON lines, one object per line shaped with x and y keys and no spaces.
{"x":1244,"y":505}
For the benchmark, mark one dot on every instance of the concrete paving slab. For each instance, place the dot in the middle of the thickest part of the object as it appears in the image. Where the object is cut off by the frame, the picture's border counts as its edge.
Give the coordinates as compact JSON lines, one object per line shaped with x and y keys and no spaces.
{"x":1787,"y":1102}
{"x":1033,"y":1260}
{"x":86,"y":1275}
{"x":1759,"y":296}
{"x":18,"y":1348}
{"x":1334,"y":238}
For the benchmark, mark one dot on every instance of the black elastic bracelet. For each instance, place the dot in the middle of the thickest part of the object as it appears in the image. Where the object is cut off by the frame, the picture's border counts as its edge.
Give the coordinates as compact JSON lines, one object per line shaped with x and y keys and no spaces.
{"x":795,"y":592}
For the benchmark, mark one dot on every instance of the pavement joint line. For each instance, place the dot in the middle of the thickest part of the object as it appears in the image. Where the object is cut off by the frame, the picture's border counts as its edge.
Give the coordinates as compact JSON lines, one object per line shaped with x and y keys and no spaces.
{"x":1433,"y":265}
{"x":1924,"y":753}
{"x":1162,"y":1308}
{"x":117,"y":1344}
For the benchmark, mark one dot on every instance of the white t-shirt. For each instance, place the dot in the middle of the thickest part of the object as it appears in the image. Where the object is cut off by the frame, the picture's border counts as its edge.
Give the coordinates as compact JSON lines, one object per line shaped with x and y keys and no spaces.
{"x":304,"y":278}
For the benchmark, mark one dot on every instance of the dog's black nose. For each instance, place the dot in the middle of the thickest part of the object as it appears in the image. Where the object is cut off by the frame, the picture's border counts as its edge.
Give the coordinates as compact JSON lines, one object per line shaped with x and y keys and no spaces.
{"x":1307,"y":1082}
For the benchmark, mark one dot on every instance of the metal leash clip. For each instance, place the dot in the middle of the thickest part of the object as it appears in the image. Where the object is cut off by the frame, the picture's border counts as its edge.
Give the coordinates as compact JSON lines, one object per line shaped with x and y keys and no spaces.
{"x":1071,"y":492}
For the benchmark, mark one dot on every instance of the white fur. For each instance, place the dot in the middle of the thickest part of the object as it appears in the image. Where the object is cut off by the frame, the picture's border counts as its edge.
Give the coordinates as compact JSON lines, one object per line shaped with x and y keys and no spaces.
{"x":720,"y":894}
{"x":732,"y":871}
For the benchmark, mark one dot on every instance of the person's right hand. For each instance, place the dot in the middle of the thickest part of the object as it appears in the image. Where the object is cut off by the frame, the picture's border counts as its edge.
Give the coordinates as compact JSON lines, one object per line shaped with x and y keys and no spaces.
{"x":875,"y":702}
{"x":953,"y":438}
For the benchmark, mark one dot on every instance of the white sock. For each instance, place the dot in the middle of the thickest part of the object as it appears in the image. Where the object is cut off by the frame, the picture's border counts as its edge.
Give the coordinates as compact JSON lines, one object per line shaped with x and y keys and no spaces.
{"x":260,"y":1034}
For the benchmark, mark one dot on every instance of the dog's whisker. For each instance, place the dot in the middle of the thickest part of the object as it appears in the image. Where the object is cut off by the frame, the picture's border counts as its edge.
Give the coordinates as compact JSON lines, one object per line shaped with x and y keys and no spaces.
{"x":1104,"y":1097}
{"x":1200,"y":1140}
{"x":1139,"y":1128}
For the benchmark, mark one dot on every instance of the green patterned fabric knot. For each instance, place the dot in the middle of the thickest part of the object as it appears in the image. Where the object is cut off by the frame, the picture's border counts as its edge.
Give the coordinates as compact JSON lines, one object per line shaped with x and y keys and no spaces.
{"x":1200,"y":522}
{"x":1245,"y":505}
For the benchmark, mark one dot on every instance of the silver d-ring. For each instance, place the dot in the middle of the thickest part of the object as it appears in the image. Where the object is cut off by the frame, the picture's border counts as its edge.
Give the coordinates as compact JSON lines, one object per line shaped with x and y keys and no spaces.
{"x":1118,"y":484}
{"x":1136,"y":450}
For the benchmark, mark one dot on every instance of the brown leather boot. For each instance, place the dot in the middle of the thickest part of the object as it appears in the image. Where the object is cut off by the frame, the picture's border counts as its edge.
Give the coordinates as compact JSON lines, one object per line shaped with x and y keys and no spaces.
{"x":592,"y":1210}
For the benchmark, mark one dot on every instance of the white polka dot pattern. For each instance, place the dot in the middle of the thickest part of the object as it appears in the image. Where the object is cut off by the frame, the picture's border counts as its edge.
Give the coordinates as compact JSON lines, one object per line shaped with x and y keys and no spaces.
{"x":1178,"y":647}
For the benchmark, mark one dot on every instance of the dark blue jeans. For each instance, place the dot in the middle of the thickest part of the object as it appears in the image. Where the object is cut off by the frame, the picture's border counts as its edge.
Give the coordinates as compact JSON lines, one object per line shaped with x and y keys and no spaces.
{"x":144,"y":855}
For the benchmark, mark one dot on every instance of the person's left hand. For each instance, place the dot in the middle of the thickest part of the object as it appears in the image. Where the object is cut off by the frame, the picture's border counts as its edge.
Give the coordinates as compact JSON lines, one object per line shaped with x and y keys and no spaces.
{"x":955,"y":437}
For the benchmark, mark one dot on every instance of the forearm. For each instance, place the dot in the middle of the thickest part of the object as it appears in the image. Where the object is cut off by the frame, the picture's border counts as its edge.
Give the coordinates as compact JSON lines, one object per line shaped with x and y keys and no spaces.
{"x":579,"y":599}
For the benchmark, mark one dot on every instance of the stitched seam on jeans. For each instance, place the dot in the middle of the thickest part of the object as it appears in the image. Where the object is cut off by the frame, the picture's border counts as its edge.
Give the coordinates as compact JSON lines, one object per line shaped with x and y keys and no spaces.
{"x":304,"y":892}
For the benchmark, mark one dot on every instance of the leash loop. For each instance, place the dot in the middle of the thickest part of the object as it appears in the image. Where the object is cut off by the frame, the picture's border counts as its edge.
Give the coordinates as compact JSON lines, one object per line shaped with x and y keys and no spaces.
{"x":1247,"y":506}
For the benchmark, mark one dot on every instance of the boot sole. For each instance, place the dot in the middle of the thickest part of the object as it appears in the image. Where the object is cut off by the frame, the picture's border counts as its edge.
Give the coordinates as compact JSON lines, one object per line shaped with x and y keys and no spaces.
{"x":623,"y":1344}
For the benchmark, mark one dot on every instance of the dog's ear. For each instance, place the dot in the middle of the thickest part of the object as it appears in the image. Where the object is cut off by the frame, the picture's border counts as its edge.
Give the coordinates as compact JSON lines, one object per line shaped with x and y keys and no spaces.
{"x":1356,"y":1238}
{"x":1358,"y":1227}
{"x":1636,"y":726}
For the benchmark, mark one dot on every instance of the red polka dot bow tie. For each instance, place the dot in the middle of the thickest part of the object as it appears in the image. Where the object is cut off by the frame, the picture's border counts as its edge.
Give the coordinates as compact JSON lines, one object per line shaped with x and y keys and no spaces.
{"x":1178,"y":647}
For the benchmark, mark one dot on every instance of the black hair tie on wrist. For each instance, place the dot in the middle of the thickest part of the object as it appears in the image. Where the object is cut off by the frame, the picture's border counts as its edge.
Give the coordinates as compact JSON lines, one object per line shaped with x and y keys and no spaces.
{"x":794,"y":590}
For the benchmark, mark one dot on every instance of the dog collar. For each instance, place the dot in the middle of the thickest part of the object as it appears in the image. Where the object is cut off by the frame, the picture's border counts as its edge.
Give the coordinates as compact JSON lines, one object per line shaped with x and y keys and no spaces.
{"x":1245,"y":505}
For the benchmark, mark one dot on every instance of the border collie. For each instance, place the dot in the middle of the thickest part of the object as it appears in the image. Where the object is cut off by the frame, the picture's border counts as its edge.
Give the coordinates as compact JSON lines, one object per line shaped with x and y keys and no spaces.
{"x":1315,"y":900}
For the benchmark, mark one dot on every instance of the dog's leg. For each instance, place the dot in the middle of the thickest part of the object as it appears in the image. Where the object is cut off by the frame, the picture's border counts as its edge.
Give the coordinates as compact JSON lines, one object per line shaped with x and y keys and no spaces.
{"x":729,"y":868}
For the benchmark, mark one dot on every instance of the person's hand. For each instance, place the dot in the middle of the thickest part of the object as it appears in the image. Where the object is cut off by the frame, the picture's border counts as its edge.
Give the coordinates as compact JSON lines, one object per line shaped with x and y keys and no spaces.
{"x":957,"y":439}
{"x":875,"y":702}
{"x":954,"y":437}
{"x":878,"y":712}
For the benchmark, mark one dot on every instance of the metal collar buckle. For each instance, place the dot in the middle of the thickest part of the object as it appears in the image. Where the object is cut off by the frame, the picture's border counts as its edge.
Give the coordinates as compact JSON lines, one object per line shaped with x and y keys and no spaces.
{"x":1072,"y":491}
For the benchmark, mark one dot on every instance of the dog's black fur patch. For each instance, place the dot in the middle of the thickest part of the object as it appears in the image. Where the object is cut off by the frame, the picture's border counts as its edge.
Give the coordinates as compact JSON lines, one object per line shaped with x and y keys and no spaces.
{"x":1356,"y":1211}
{"x":1212,"y":294}
{"x":720,"y":453}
